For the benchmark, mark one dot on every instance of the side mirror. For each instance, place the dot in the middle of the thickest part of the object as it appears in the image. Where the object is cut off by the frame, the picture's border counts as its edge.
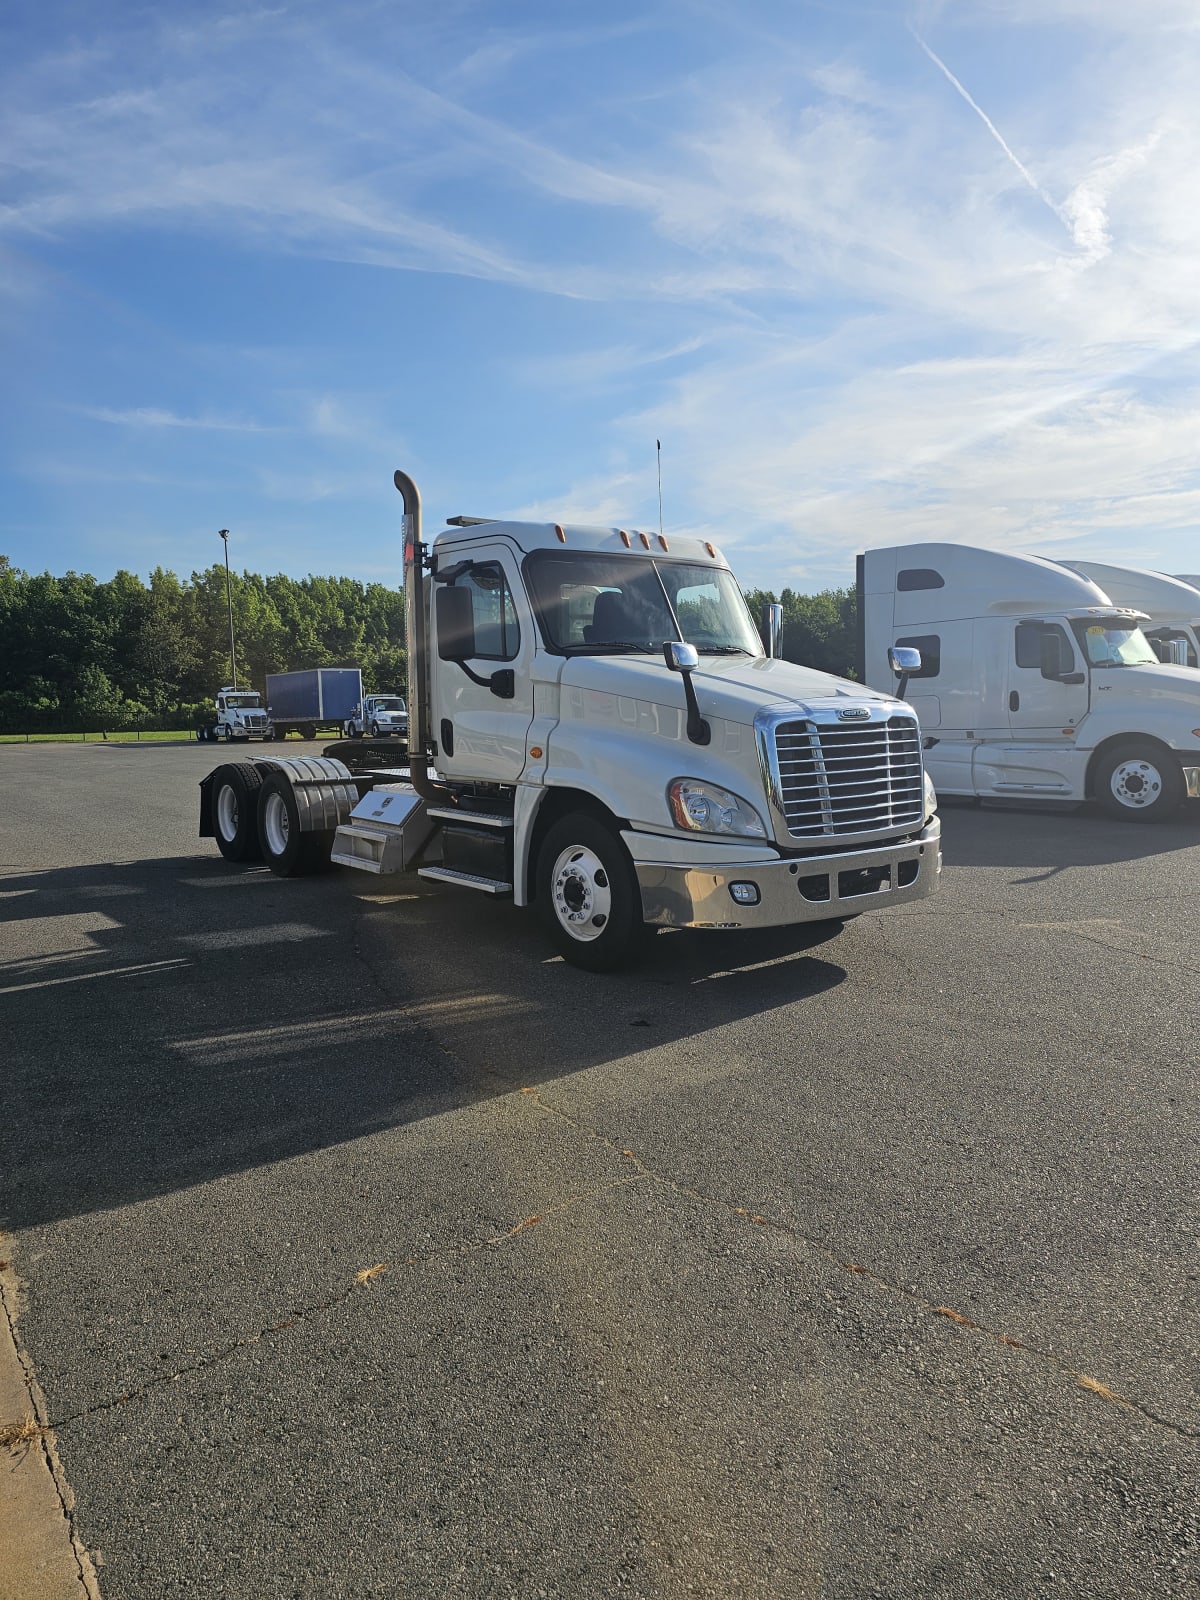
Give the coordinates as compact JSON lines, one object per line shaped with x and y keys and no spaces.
{"x":455,"y":624}
{"x":904,"y":660}
{"x":1053,"y":665}
{"x":684,"y":659}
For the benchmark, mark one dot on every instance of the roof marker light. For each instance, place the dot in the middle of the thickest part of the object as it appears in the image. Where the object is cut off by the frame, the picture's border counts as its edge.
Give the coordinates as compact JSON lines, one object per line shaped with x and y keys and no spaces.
{"x":624,"y":537}
{"x":711,"y":551}
{"x":663,"y":542}
{"x":562,"y":538}
{"x":645,"y":538}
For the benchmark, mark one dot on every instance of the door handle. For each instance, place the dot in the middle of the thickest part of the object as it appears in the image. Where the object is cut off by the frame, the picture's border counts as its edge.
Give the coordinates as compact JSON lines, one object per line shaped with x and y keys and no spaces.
{"x":1014,"y":701}
{"x":447,"y":731}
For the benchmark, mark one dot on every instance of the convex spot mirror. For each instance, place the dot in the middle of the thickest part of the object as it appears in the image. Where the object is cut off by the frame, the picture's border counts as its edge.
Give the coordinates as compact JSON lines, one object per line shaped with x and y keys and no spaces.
{"x":681,"y":657}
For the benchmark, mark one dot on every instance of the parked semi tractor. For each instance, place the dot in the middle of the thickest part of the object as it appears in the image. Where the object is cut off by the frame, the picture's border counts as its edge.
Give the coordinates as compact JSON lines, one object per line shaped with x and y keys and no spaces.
{"x":1032,"y":683}
{"x":312,"y":702}
{"x":239,"y":715}
{"x":1172,"y":607}
{"x":377,"y":716}
{"x":597,"y":731}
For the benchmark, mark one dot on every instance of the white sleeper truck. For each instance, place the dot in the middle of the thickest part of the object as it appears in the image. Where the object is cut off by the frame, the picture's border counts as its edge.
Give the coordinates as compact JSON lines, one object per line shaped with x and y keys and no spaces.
{"x":1033,"y":684}
{"x":596,"y":730}
{"x":1172,"y":607}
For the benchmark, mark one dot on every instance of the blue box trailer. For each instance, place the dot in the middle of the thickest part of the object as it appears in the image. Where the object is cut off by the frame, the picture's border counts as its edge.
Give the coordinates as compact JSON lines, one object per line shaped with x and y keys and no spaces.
{"x":307,"y":702}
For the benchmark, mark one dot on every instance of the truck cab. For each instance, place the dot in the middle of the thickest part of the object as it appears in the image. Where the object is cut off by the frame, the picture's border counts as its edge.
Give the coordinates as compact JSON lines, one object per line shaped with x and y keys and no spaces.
{"x":377,"y":716}
{"x":1033,"y":683}
{"x":240,"y":715}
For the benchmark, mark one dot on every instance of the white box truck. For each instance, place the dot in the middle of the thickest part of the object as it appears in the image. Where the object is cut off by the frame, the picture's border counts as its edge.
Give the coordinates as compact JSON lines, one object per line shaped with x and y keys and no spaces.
{"x":1172,"y":607}
{"x":596,"y":730}
{"x":1032,"y":683}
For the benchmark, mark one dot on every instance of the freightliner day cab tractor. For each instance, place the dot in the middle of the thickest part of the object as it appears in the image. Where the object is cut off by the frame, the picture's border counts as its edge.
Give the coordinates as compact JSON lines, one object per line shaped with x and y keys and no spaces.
{"x":239,"y":715}
{"x":596,"y":730}
{"x":1172,"y":607}
{"x":377,"y":716}
{"x":1032,"y":683}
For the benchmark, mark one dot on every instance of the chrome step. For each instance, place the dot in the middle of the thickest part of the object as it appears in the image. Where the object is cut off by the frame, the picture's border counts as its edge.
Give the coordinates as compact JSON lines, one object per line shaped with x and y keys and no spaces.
{"x":364,"y":848}
{"x":467,"y":880}
{"x":485,"y":819}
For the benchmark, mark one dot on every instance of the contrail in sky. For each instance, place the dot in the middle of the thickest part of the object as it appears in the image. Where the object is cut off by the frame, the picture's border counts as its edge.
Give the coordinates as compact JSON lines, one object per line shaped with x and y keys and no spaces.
{"x":993,"y":130}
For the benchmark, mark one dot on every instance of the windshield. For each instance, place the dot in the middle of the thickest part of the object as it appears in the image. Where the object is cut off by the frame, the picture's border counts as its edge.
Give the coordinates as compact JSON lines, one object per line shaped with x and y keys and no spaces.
{"x":607,"y":605}
{"x":242,"y":702}
{"x":1114,"y":644}
{"x":388,"y":703}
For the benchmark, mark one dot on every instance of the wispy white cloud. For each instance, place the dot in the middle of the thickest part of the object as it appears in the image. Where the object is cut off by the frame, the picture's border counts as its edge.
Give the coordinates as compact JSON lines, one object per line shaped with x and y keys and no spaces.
{"x":150,"y":417}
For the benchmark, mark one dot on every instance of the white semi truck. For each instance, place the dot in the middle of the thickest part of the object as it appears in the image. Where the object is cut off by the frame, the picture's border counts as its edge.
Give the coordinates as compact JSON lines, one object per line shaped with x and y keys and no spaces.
{"x":597,"y":731}
{"x":240,"y":715}
{"x":1172,"y":606}
{"x":377,"y":716}
{"x":1033,"y":684}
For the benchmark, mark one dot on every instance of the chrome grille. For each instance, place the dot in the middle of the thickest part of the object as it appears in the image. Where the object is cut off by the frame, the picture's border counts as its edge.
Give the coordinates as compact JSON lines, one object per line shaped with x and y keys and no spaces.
{"x":848,"y":778}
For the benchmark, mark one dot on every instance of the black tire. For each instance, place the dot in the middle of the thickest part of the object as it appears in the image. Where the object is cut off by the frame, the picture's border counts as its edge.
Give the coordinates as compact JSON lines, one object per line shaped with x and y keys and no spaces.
{"x":288,"y":852}
{"x":228,"y":734}
{"x":235,"y":811}
{"x":583,"y":868}
{"x":309,"y":731}
{"x":374,"y":730}
{"x":1139,"y":781}
{"x":201,"y":735}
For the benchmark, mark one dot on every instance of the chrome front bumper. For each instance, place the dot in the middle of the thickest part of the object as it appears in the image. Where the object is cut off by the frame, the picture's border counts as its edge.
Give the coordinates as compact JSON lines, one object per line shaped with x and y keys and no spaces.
{"x":1191,"y":780}
{"x":792,"y":889}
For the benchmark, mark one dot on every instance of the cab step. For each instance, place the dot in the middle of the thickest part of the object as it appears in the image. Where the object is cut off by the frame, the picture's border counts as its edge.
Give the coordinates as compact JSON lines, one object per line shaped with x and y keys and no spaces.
{"x":483,"y":819}
{"x":466,"y":880}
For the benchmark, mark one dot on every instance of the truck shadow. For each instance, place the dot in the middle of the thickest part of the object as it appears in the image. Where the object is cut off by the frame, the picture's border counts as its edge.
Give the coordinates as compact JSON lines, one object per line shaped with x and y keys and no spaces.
{"x":170,"y":1022}
{"x":1048,"y":842}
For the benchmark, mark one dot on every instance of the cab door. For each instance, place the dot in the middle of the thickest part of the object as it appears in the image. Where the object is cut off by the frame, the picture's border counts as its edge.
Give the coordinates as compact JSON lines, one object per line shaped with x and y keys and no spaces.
{"x":482,"y":704}
{"x":1047,"y":681}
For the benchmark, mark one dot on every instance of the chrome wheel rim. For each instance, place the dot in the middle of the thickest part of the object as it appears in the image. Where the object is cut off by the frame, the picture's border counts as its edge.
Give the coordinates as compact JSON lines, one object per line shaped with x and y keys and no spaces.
{"x":580,"y":893}
{"x":276,"y":824}
{"x":1136,"y":783}
{"x":227,"y":813}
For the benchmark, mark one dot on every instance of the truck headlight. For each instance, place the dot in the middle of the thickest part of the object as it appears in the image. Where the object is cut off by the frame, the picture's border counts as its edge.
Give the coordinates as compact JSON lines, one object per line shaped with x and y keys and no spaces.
{"x":930,"y":797}
{"x":703,"y":808}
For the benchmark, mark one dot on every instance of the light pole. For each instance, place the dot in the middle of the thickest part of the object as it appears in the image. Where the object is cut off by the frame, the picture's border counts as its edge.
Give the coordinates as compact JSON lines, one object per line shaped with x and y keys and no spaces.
{"x":229,"y":597}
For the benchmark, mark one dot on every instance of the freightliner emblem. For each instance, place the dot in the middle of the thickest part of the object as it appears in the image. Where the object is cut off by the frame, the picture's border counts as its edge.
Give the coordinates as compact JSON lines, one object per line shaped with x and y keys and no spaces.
{"x":854,"y":714}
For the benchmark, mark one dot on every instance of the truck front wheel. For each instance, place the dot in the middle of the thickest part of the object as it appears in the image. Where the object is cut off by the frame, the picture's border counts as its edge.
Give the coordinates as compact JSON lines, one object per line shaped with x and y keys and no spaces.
{"x":1139,"y":782}
{"x":587,"y":893}
{"x":234,"y":811}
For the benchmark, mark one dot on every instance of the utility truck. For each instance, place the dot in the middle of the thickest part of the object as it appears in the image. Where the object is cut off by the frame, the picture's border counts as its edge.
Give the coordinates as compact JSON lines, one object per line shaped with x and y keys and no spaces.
{"x":312,"y":701}
{"x":377,"y":716}
{"x":596,"y":730}
{"x":239,"y":715}
{"x":1032,"y":685}
{"x":1172,"y":606}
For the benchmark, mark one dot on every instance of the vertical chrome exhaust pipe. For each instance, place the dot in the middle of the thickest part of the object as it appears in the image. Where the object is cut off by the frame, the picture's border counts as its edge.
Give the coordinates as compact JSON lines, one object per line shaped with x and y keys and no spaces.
{"x":415,"y":617}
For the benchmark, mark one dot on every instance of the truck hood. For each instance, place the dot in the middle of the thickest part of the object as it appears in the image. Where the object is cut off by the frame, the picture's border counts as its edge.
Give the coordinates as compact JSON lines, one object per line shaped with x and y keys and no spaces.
{"x":735,"y":688}
{"x":1167,"y":684}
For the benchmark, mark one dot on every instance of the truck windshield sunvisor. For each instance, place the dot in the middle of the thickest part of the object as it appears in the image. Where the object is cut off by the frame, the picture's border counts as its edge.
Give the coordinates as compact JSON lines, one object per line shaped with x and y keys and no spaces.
{"x":590,"y":604}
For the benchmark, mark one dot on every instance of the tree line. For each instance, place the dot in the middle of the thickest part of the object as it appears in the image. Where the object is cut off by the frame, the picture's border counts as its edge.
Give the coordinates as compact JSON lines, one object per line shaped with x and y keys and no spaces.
{"x":76,"y":654}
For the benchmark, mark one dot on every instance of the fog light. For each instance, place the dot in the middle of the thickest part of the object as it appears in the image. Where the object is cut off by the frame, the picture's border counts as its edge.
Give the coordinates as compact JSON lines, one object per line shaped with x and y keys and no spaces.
{"x":745,"y":894}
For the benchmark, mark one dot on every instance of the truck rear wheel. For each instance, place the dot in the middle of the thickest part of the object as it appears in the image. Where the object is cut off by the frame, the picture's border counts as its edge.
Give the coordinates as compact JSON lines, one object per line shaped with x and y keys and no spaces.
{"x":309,"y":731}
{"x":235,"y":811}
{"x":286,"y":850}
{"x":588,"y":895}
{"x":1139,"y":782}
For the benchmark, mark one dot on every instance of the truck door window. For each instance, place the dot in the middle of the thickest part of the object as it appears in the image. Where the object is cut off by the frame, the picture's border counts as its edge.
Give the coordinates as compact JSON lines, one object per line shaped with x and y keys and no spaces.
{"x":497,"y":632}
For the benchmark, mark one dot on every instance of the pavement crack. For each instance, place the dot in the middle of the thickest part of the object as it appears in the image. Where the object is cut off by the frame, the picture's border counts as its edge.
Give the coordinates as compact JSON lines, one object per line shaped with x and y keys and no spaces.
{"x":969,"y":1325}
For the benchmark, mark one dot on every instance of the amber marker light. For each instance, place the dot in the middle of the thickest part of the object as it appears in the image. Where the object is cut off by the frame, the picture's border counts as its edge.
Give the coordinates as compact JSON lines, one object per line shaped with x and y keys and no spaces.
{"x":663,"y":542}
{"x":535,"y":752}
{"x":645,"y":538}
{"x":711,"y":551}
{"x":562,"y":538}
{"x":624,"y":538}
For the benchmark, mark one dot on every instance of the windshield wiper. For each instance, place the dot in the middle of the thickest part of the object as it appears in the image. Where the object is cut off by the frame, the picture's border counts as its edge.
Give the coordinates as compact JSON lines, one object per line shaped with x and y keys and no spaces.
{"x":722,"y":650}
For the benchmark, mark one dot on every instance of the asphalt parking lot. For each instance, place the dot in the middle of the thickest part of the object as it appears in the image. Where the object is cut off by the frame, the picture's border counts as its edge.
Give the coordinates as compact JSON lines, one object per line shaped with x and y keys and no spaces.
{"x":783,"y":1266}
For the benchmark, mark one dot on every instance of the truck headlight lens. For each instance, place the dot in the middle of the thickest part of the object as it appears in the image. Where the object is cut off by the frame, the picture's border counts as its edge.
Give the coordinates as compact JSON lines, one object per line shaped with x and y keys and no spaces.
{"x":703,"y":808}
{"x":930,"y":797}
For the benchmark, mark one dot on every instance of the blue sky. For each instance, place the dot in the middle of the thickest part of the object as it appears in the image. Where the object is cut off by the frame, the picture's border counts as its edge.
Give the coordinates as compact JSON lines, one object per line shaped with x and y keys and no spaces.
{"x":871,"y":272}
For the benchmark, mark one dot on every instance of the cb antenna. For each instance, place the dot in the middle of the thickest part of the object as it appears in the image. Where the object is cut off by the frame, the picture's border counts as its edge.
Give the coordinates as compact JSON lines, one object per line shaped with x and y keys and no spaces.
{"x":658,"y":443}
